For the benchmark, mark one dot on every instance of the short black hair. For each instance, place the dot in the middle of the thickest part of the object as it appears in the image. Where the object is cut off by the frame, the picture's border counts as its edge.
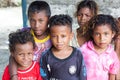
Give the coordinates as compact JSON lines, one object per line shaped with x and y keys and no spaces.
{"x":61,"y":19}
{"x":37,"y":6}
{"x":20,"y":37}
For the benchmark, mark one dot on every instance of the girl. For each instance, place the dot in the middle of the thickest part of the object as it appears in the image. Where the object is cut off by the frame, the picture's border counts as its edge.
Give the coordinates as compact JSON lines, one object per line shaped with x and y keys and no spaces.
{"x":99,"y":55}
{"x":86,"y":9}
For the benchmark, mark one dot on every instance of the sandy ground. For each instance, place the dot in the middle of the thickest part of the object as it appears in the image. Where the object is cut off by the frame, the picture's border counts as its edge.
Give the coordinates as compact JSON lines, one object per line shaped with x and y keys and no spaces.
{"x":10,"y":20}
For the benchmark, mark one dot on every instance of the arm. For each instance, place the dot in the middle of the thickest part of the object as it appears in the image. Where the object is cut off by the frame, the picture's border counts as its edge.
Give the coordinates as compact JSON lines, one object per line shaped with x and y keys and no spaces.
{"x":117,"y":46}
{"x":13,"y":68}
{"x":6,"y":75}
{"x":43,"y":68}
{"x":83,"y":72}
{"x":111,"y":76}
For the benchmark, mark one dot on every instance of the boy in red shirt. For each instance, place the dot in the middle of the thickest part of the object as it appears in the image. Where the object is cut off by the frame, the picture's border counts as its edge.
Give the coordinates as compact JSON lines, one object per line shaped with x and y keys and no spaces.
{"x":21,"y":46}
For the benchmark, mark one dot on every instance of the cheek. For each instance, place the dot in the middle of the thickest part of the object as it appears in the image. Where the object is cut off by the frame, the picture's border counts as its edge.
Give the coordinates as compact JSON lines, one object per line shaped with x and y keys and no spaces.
{"x":32,"y":25}
{"x":18,"y":58}
{"x":53,"y":40}
{"x":78,"y":19}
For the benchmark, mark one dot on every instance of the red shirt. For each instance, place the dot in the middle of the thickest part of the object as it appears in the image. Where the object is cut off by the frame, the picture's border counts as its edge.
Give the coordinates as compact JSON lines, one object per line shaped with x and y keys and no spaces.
{"x":32,"y":73}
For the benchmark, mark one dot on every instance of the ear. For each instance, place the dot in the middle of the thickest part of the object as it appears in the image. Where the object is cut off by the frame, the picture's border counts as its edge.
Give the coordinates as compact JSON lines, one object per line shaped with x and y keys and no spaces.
{"x":71,"y":35}
{"x":113,"y":34}
{"x":12,"y":54}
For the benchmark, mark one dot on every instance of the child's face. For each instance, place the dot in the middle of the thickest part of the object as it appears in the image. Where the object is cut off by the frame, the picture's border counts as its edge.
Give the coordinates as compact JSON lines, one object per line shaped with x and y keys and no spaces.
{"x":102,"y":36}
{"x":23,"y":55}
{"x":39,"y":23}
{"x":60,"y":36}
{"x":83,"y":16}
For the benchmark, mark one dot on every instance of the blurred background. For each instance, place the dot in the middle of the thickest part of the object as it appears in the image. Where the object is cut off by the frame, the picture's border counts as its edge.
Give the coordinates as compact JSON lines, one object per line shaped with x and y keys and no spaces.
{"x":11,"y":18}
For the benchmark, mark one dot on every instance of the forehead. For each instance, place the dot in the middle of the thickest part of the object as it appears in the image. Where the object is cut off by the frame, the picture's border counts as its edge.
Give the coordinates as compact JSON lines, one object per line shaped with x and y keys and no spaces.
{"x":25,"y":46}
{"x":60,"y":28}
{"x":85,"y":10}
{"x":38,"y":14}
{"x":103,"y":28}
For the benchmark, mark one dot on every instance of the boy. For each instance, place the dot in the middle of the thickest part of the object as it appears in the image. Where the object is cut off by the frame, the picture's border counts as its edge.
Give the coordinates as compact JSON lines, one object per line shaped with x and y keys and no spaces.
{"x":62,"y":62}
{"x":21,"y":46}
{"x":38,"y":15}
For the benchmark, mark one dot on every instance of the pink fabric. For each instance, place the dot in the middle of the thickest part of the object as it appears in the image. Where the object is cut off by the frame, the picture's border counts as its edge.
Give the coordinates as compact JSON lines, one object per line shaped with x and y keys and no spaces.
{"x":99,"y":65}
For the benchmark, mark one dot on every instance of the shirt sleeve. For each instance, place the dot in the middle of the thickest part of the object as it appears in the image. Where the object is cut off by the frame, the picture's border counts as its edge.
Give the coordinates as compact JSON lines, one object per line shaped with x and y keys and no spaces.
{"x":38,"y":71}
{"x":6,"y":75}
{"x":43,"y":69}
{"x":114,"y":67}
{"x":83,"y":72}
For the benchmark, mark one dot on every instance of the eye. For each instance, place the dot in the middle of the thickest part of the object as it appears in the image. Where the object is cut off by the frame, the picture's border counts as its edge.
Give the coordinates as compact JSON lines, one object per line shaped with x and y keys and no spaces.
{"x":79,"y":14}
{"x":63,"y":36}
{"x":20,"y":54}
{"x":88,"y":15}
{"x":41,"y":20}
{"x":106,"y":34}
{"x":96,"y":34}
{"x":32,"y":20}
{"x":30,"y":53}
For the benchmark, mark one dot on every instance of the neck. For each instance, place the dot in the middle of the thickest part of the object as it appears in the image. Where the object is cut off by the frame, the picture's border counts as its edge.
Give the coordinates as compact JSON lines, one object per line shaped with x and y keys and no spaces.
{"x":99,"y":50}
{"x":62,"y":54}
{"x":44,"y":35}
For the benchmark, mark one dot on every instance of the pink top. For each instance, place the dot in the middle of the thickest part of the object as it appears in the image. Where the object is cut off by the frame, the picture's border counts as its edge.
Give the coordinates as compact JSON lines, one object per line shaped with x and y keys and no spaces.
{"x":98,"y":66}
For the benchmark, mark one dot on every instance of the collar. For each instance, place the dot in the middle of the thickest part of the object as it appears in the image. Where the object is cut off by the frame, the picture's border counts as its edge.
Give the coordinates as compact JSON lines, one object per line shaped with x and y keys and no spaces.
{"x":108,"y":50}
{"x":40,"y":40}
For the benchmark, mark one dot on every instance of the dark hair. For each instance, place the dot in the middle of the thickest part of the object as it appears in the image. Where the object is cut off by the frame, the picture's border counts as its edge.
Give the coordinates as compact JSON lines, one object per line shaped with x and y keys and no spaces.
{"x":118,"y":24}
{"x":20,"y":37}
{"x":60,"y":20}
{"x":92,"y":5}
{"x":38,"y":6}
{"x":102,"y":19}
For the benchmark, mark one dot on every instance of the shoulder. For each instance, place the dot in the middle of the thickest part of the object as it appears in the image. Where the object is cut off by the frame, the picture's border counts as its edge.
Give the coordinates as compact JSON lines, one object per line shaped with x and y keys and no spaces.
{"x":6,"y":75}
{"x":87,"y":45}
{"x":46,"y":54}
{"x":26,"y":28}
{"x":77,"y":52}
{"x":111,"y":51}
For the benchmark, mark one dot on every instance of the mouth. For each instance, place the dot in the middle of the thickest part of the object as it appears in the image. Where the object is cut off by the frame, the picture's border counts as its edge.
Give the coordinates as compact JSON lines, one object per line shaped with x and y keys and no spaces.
{"x":38,"y":31}
{"x":102,"y":43}
{"x":59,"y":46}
{"x":27,"y":63}
{"x":82,"y":23}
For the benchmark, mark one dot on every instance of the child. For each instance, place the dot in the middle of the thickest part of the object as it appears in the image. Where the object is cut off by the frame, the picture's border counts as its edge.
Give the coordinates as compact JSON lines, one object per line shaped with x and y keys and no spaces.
{"x":38,"y":15}
{"x":86,"y":9}
{"x":100,"y":58}
{"x":62,"y":62}
{"x":21,"y":46}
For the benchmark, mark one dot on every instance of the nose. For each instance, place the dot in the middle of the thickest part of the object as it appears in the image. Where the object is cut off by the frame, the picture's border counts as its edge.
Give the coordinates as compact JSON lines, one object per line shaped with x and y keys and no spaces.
{"x":83,"y":17}
{"x":37,"y":24}
{"x":102,"y":37}
{"x":58,"y":39}
{"x":25,"y":57}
